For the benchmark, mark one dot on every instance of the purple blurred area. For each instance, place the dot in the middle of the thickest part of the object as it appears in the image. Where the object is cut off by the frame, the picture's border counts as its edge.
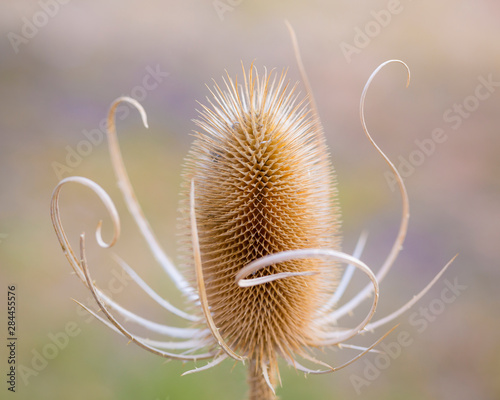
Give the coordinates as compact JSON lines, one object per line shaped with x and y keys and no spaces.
{"x":62,"y":63}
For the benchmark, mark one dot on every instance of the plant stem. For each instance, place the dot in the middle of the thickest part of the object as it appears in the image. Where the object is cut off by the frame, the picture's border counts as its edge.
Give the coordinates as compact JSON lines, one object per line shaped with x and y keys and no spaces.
{"x":259,"y":389}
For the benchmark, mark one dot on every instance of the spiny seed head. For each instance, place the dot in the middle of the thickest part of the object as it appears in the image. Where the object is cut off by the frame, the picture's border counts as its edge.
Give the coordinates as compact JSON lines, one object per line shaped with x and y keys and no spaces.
{"x":257,"y":182}
{"x":264,"y":184}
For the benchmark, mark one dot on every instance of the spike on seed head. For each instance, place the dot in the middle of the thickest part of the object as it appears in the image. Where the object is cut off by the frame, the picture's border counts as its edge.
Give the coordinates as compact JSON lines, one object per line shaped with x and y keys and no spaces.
{"x":264,"y":184}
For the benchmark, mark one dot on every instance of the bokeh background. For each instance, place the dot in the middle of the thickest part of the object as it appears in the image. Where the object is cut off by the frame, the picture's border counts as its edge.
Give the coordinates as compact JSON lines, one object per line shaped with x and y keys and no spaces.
{"x":63,"y":62}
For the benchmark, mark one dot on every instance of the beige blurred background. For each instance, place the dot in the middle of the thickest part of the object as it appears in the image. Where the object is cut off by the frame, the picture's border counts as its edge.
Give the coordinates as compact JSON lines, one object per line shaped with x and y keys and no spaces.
{"x":61,"y":65}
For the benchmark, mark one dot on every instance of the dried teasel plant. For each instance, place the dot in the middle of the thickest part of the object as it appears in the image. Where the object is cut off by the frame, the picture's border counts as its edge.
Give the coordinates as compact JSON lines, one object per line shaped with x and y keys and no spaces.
{"x":261,"y":233}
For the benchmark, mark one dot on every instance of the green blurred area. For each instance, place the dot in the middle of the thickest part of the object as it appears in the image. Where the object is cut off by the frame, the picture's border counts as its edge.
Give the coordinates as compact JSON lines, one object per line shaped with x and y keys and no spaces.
{"x":56,"y":87}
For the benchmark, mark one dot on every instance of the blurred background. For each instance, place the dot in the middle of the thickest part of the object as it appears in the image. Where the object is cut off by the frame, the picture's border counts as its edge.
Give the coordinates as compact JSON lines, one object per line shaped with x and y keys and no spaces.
{"x":61,"y":65}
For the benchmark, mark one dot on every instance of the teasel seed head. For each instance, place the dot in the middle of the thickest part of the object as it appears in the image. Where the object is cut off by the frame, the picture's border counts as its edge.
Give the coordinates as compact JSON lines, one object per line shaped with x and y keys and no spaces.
{"x":264,"y":184}
{"x":261,"y":217}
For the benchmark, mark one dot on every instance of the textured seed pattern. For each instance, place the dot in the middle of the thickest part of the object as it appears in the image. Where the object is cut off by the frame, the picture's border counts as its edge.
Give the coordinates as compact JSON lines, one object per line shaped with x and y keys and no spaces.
{"x":264,"y":184}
